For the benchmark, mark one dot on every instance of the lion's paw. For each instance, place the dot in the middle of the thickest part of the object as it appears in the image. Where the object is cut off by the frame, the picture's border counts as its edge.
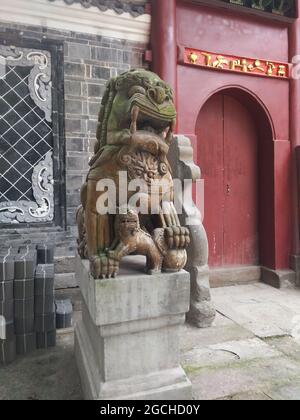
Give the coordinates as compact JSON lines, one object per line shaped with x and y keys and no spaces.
{"x":177,"y":237}
{"x":104,"y":266}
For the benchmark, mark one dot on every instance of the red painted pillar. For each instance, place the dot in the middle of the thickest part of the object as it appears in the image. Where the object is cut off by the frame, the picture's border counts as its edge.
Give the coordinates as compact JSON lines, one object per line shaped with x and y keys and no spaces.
{"x":294,"y":42}
{"x":164,"y":41}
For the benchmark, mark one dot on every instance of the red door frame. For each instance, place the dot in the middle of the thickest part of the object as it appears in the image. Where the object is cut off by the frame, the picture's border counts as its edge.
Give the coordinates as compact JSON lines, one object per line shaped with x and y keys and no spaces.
{"x":275,"y":175}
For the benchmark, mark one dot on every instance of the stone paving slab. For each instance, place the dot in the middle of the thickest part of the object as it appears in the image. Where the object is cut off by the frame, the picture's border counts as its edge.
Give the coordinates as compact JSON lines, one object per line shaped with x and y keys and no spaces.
{"x":265,"y":311}
{"x":248,"y":396}
{"x":214,"y":382}
{"x":286,"y":392}
{"x":192,"y":337}
{"x":286,"y":345}
{"x":225,"y":353}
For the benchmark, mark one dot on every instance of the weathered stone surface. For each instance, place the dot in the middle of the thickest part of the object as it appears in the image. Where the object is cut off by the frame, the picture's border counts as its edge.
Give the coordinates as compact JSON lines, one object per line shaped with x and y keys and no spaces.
{"x":264,"y":311}
{"x":248,"y":396}
{"x":191,"y":337}
{"x":285,"y":392}
{"x":155,"y":296}
{"x":141,"y":315}
{"x":286,"y":345}
{"x":221,"y":277}
{"x":214,"y":383}
{"x":278,"y":278}
{"x":224,"y":353}
{"x":295,"y":265}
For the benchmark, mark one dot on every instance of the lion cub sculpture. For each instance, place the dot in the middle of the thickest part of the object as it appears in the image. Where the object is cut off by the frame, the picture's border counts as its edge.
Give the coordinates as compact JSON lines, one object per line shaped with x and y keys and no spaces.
{"x":135,"y":129}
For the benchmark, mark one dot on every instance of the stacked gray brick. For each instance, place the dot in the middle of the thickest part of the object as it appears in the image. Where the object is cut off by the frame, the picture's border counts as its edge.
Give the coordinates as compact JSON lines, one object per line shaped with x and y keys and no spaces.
{"x":25,"y":265}
{"x":7,"y":337}
{"x":26,"y":300}
{"x":44,"y":304}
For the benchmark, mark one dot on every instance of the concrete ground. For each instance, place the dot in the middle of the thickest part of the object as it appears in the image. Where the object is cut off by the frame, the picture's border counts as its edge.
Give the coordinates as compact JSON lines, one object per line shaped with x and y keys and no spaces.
{"x":251,"y":352}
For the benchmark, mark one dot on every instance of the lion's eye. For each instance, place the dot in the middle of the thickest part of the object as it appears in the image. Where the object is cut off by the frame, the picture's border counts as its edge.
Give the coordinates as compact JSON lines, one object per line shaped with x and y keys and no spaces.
{"x":136,"y":89}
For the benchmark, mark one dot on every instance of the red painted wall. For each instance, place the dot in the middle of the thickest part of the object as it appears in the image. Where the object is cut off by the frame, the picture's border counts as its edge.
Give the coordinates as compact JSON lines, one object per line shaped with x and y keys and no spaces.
{"x":216,"y":30}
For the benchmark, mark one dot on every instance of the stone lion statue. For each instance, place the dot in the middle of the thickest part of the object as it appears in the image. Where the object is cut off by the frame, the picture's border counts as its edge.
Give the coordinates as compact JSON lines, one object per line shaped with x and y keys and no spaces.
{"x":135,"y":130}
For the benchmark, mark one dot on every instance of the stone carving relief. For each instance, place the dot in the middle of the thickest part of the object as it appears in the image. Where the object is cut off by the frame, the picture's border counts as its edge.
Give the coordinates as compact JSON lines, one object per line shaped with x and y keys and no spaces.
{"x":135,"y":130}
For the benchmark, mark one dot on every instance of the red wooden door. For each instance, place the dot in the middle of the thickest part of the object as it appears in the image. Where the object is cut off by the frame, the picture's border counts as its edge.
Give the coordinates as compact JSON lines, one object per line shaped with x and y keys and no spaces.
{"x":228,"y":157}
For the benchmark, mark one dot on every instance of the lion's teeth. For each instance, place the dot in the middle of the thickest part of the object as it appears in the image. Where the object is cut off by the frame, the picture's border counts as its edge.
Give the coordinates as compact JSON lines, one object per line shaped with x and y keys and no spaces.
{"x":134,"y":117}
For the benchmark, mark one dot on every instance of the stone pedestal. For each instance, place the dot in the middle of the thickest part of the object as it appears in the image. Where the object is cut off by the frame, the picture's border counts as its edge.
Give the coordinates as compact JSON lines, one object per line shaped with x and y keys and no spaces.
{"x":127,"y":345}
{"x":295,"y":265}
{"x":278,"y":278}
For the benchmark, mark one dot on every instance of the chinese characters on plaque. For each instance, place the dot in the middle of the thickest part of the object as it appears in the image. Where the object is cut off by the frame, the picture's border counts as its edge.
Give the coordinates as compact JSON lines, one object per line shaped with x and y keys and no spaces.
{"x":237,"y":64}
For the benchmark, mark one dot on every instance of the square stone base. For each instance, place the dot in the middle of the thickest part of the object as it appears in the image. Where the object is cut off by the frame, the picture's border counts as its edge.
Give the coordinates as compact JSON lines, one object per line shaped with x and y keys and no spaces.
{"x":127,"y":344}
{"x":170,"y":384}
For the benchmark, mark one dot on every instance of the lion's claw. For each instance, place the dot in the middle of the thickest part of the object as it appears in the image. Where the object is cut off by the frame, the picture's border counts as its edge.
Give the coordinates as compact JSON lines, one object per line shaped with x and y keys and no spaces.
{"x":104,"y":266}
{"x":177,"y":237}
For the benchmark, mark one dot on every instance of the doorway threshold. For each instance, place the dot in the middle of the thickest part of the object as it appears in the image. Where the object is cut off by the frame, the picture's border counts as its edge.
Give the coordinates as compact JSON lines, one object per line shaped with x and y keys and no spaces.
{"x":238,"y":275}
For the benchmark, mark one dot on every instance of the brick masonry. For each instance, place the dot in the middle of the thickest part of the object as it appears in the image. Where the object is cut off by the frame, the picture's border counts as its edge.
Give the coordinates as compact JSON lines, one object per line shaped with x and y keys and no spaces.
{"x":89,"y":61}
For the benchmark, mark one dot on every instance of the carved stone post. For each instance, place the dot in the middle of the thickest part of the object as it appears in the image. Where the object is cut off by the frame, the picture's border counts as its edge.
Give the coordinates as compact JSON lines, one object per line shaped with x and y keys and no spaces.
{"x":202,"y":312}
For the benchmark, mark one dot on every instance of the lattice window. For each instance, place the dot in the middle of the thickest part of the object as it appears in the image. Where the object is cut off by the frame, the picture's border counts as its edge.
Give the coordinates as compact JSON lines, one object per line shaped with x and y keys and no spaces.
{"x":26,"y":141}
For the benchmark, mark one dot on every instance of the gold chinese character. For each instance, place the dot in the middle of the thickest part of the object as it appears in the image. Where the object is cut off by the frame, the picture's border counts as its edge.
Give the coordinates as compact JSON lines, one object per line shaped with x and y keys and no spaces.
{"x":208,"y":59}
{"x":270,"y":68}
{"x":241,"y":64}
{"x":256,"y":66}
{"x":281,"y":71}
{"x":193,"y":57}
{"x":220,"y":62}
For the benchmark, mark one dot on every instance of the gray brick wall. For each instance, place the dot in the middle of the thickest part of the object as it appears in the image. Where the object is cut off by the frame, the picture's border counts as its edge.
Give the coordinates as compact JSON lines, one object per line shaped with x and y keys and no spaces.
{"x":89,"y":61}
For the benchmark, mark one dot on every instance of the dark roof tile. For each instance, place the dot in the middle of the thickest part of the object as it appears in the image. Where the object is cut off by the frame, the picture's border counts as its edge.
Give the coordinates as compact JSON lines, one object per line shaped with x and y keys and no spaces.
{"x":135,"y":8}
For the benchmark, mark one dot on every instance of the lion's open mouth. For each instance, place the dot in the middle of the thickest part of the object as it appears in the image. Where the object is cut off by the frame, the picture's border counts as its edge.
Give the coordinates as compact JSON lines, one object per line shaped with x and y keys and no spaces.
{"x":145,"y":115}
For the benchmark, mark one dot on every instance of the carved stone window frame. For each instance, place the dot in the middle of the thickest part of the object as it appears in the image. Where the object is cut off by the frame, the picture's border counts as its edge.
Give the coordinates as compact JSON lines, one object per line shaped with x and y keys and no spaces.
{"x":56,"y":51}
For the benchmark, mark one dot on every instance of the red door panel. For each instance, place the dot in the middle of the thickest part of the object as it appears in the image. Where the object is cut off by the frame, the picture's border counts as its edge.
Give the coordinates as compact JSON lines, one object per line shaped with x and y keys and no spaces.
{"x":227,"y":155}
{"x":240,"y":185}
{"x":210,"y":154}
